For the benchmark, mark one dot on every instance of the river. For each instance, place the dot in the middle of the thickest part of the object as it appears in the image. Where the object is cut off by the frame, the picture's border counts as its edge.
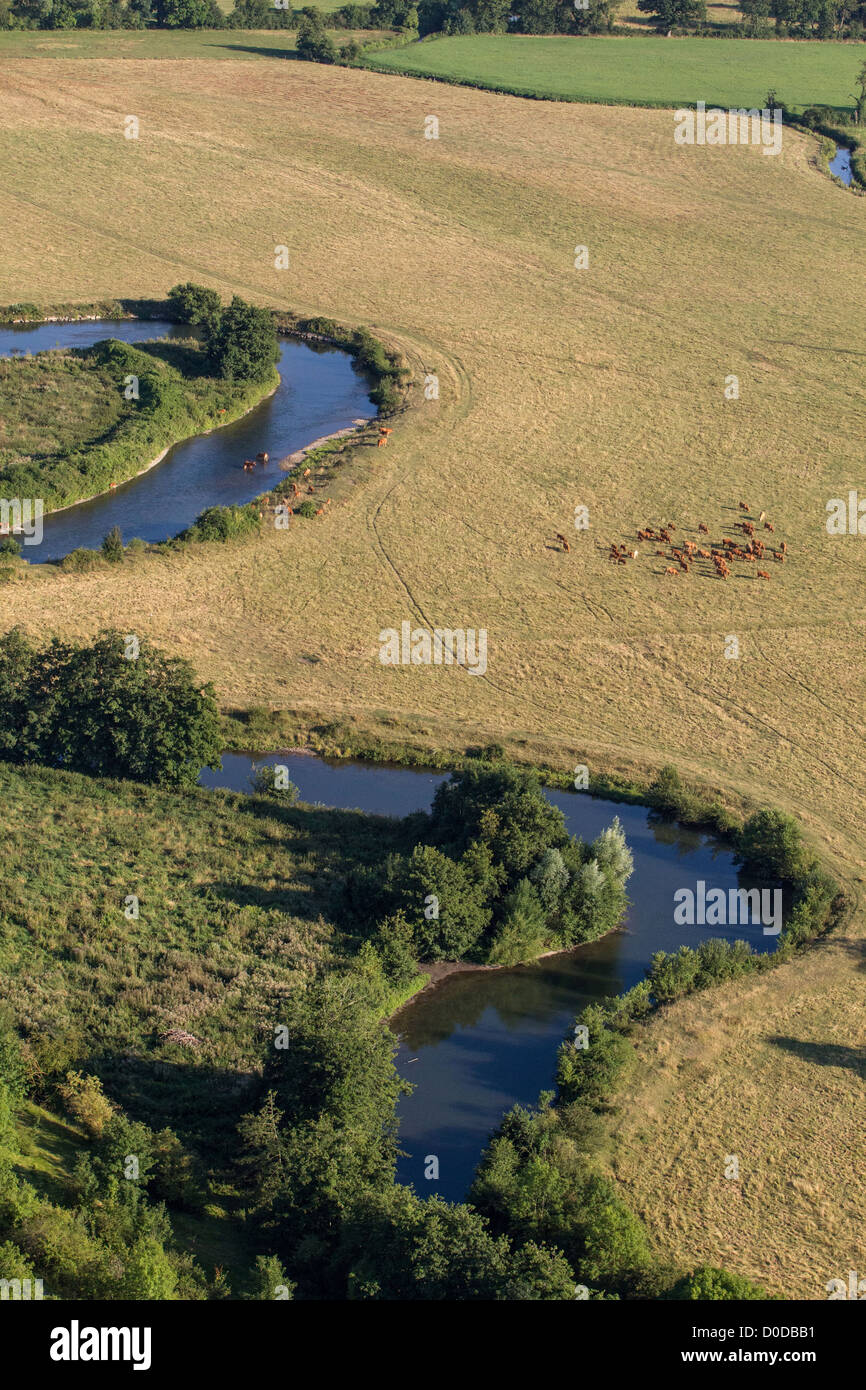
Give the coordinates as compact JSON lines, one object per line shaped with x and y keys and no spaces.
{"x":479,"y":1042}
{"x":320,"y":392}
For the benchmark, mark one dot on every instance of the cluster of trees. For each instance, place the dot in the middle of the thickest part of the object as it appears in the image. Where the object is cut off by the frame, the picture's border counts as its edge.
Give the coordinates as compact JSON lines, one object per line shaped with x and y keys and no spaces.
{"x":114,"y":707}
{"x":492,"y":875}
{"x":522,"y":17}
{"x":110,"y":14}
{"x":240,"y":339}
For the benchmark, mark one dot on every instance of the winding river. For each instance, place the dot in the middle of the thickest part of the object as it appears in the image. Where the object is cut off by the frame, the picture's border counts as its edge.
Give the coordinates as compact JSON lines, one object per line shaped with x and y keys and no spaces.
{"x":320,"y":392}
{"x":481,"y":1041}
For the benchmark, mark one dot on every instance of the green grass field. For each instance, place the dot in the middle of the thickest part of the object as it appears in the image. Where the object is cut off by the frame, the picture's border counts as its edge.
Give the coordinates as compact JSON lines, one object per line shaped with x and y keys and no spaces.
{"x":640,"y":71}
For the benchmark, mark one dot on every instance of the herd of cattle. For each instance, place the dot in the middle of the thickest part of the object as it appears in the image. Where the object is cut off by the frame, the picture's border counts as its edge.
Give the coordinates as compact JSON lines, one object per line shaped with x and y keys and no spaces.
{"x":750,"y":549}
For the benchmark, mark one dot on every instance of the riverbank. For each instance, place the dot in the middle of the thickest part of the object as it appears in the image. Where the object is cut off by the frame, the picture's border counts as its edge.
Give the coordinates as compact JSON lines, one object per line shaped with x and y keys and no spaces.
{"x":166,"y":397}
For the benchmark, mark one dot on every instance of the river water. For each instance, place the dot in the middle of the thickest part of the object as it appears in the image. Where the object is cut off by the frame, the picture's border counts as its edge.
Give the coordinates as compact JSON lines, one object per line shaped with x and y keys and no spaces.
{"x":320,"y":392}
{"x":480,"y":1041}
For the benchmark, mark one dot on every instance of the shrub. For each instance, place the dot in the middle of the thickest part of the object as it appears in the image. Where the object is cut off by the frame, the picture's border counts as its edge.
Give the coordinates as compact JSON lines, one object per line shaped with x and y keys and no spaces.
{"x":708,"y":1283}
{"x":222,"y":524}
{"x":771,"y":843}
{"x":82,"y":560}
{"x":83,"y":1098}
{"x":591,"y":1074}
{"x":191,"y":303}
{"x":265,"y":783}
{"x":112,"y":546}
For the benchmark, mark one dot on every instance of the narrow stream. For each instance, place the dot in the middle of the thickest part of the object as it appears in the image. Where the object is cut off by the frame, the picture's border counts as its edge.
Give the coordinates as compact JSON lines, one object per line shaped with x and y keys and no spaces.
{"x":320,"y":392}
{"x":481,"y":1041}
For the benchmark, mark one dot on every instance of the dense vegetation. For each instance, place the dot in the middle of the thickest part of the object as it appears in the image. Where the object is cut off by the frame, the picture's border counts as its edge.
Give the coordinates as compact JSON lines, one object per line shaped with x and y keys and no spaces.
{"x":144,"y":398}
{"x":211,"y":1072}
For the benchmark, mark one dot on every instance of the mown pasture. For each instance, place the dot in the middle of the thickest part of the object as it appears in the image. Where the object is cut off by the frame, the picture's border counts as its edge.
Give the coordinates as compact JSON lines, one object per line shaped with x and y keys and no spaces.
{"x":558,"y":387}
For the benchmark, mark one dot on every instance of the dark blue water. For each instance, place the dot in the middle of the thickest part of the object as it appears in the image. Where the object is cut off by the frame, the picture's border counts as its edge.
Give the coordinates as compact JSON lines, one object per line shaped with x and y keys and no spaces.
{"x":482,"y":1041}
{"x":320,"y":392}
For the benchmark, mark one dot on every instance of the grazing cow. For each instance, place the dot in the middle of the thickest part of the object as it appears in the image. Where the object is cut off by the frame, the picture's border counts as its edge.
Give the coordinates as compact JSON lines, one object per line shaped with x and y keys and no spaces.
{"x":634,"y":554}
{"x":671,"y":570}
{"x":660,"y":552}
{"x":744,"y":507}
{"x":306,"y":472}
{"x":382,"y":430}
{"x":381,"y":441}
{"x":779,"y":557}
{"x":762,"y":574}
{"x":704,"y":554}
{"x":768,"y":526}
{"x":762,"y":517}
{"x":702,"y":526}
{"x":664,"y":535}
{"x":296,"y":491}
{"x":561,"y":537}
{"x":783,"y":546}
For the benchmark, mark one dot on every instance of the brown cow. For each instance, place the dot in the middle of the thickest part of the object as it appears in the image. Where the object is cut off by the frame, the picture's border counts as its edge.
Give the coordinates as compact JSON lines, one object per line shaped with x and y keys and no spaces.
{"x":702,"y":526}
{"x":670,"y":570}
{"x":744,"y":507}
{"x":762,"y":574}
{"x":560,"y":537}
{"x":768,"y":526}
{"x":783,"y":546}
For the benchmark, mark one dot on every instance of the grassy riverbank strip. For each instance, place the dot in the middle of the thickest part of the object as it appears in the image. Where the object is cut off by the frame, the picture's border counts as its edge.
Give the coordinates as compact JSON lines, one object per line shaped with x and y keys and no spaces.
{"x":154,"y":396}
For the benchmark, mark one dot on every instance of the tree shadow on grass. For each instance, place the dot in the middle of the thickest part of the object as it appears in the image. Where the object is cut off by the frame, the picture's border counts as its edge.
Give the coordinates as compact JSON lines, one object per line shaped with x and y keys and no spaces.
{"x":826,"y":1054}
{"x":262,"y":52}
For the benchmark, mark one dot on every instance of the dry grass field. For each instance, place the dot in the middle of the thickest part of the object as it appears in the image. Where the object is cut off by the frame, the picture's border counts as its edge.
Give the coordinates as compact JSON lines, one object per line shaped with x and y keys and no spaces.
{"x":602,"y":387}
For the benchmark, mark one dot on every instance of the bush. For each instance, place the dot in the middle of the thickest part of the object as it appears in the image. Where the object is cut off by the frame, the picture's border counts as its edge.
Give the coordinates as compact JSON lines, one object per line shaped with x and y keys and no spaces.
{"x":592,"y":1074}
{"x":83,"y":1098}
{"x":264,"y":782}
{"x":112,"y":546}
{"x":191,"y":303}
{"x":222,"y":524}
{"x":771,"y":843}
{"x":708,"y":1283}
{"x":82,"y":560}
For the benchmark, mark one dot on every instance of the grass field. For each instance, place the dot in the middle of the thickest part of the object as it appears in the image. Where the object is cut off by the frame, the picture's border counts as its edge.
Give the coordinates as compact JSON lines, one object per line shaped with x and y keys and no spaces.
{"x":558,"y":387}
{"x":636,"y":71}
{"x":53,"y":402}
{"x":165,"y":43}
